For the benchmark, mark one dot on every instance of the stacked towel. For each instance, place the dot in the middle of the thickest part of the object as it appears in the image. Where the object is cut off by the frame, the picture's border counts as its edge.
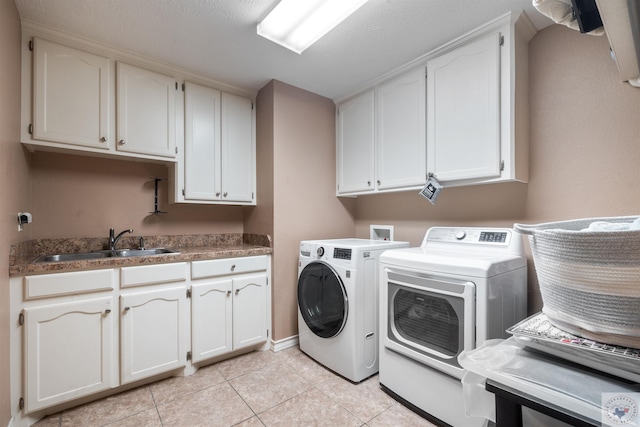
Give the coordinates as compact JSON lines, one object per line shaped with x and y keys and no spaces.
{"x":611,"y":226}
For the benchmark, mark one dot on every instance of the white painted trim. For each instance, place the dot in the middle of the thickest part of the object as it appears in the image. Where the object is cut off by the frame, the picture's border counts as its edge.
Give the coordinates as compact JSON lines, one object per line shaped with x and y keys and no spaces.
{"x":10,"y":422}
{"x":284,"y":343}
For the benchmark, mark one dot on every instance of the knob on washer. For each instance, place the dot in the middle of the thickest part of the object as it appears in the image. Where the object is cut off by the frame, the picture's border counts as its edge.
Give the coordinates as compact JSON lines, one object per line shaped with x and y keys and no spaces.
{"x":320,"y":251}
{"x":460,"y":235}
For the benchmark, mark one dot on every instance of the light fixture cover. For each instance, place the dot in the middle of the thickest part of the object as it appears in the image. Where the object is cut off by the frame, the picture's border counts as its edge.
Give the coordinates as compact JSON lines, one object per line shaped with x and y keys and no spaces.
{"x":297,"y":24}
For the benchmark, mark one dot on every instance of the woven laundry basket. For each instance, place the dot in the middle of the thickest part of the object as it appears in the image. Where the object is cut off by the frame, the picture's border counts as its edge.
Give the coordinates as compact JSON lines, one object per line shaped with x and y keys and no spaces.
{"x":589,"y":280}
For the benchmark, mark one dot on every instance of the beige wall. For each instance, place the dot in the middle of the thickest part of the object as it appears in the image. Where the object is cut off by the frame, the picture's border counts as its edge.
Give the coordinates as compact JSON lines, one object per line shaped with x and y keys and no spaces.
{"x":77,"y":196}
{"x":584,"y":152}
{"x":14,"y":178}
{"x":302,"y":134}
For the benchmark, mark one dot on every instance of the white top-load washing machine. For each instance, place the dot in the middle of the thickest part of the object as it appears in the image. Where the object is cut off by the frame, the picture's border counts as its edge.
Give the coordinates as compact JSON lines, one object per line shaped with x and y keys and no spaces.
{"x":338,"y":303}
{"x":461,"y":287}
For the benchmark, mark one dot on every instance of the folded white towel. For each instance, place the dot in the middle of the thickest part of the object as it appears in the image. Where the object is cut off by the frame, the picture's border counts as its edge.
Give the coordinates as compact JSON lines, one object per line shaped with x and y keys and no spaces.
{"x":613,"y":226}
{"x":561,"y":12}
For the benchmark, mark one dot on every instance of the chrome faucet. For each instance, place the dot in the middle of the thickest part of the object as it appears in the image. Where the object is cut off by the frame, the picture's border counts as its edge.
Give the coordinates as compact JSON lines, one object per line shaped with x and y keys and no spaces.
{"x":113,"y":241}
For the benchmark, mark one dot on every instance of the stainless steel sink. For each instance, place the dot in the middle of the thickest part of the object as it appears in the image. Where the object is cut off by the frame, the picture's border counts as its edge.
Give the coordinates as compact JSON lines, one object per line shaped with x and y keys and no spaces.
{"x":118,"y":253}
{"x":141,"y":252}
{"x":72,"y":257}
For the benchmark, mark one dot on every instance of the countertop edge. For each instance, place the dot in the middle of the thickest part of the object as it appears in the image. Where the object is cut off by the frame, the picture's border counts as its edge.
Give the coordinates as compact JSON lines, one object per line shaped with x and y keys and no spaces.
{"x":23,"y":265}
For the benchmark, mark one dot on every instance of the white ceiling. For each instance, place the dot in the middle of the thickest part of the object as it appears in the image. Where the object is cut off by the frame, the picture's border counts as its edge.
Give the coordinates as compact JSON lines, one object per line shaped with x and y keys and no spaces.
{"x":217,"y":38}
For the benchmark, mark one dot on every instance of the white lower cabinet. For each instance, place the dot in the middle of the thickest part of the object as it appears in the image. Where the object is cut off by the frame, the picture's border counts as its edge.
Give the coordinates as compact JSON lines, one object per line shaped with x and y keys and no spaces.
{"x":211,"y":319}
{"x":153,"y":328}
{"x":249,"y":311}
{"x":68,"y":351}
{"x":84,"y":332}
{"x":228,"y":307}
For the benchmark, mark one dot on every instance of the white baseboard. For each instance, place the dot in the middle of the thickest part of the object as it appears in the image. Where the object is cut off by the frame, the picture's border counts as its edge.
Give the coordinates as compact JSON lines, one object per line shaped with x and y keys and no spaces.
{"x":10,"y":422}
{"x":284,"y":343}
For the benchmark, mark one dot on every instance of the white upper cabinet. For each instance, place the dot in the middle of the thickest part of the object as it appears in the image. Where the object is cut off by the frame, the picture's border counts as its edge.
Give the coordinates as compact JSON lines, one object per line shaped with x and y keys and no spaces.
{"x":238,"y":149}
{"x":466,"y":123}
{"x":219,"y":164}
{"x":355,"y":144}
{"x":201,"y":143}
{"x":81,"y":97}
{"x":381,"y":141}
{"x":401,"y":143}
{"x":463,"y":105}
{"x":146,"y":111}
{"x":70,"y":96}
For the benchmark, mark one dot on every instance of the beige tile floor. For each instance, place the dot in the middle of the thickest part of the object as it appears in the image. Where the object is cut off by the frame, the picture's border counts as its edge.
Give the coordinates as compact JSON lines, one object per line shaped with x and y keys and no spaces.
{"x":286,"y":388}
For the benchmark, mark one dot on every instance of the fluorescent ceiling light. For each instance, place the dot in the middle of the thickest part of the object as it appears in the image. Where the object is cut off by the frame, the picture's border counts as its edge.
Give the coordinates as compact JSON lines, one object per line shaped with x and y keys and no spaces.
{"x":297,"y":24}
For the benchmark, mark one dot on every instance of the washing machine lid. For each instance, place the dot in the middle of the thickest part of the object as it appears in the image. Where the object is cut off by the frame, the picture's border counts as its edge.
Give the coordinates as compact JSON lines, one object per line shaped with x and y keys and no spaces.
{"x":357,"y":243}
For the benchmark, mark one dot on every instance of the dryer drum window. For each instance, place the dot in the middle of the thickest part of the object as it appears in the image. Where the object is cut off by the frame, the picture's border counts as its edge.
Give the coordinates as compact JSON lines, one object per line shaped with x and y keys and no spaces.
{"x":427,"y":320}
{"x":322,"y":300}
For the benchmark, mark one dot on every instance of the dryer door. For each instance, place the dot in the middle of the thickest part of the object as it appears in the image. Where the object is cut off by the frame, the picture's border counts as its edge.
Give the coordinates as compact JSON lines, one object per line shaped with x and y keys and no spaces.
{"x":322,"y":299}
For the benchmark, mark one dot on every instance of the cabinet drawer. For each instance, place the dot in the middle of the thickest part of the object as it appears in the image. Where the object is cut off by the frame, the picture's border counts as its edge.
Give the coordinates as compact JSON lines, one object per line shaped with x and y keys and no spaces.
{"x":221,"y":267}
{"x":152,"y":274}
{"x":76,"y":282}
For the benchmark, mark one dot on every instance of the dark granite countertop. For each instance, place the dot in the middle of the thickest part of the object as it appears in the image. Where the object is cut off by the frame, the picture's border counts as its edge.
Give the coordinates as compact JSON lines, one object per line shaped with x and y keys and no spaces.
{"x":190,"y":247}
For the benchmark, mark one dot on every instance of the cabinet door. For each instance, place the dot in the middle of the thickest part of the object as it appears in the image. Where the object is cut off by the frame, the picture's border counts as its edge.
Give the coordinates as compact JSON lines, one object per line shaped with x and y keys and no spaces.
{"x":202,"y":143}
{"x":401,"y":140}
{"x":68,"y":351}
{"x":152,"y":332}
{"x":238,"y":149}
{"x":249,"y":310}
{"x":355,"y":145}
{"x":146,"y":112}
{"x":211,"y":319}
{"x":70,"y":96}
{"x":464,"y":111}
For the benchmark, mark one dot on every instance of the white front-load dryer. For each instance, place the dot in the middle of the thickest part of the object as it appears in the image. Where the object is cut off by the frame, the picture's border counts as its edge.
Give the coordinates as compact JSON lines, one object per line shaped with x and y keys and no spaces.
{"x":338,"y":303}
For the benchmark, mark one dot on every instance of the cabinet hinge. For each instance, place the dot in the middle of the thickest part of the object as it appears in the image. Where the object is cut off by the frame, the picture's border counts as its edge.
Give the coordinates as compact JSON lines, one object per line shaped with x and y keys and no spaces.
{"x":176,"y":85}
{"x":21,"y":319}
{"x":21,"y":403}
{"x":188,"y":293}
{"x":176,"y":150}
{"x":183,"y":192}
{"x":501,"y":40}
{"x":501,"y":165}
{"x":183,"y":87}
{"x":188,"y":355}
{"x":252,"y":106}
{"x":267,"y":333}
{"x":31,"y":45}
{"x":30,"y":130}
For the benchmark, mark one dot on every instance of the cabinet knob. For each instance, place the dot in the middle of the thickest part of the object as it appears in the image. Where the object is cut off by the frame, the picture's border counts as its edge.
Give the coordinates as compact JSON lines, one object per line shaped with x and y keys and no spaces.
{"x":228,"y":293}
{"x":378,"y":182}
{"x":369,"y":183}
{"x":127,"y":308}
{"x":218,"y":194}
{"x":225,"y":194}
{"x":122,"y":142}
{"x":233,"y":267}
{"x":103,"y":139}
{"x":107,"y":311}
{"x":237,"y":291}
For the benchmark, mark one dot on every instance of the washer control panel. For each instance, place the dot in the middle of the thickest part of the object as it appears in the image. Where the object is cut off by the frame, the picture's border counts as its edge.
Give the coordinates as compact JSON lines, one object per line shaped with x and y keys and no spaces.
{"x":342,"y":253}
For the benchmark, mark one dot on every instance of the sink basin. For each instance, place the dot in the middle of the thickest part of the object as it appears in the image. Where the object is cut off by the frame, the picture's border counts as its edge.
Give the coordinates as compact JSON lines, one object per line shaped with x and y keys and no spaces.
{"x":141,"y":252}
{"x":72,"y":257}
{"x":118,"y":253}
